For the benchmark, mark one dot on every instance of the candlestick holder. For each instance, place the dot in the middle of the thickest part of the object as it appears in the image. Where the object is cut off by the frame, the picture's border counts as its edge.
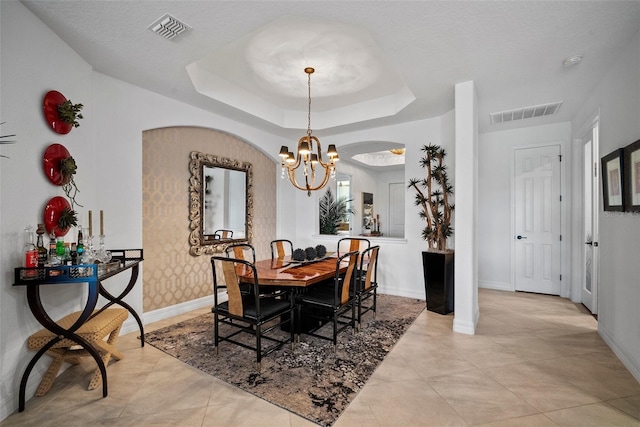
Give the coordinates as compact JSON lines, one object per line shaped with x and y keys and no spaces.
{"x":89,"y":254}
{"x":102,"y":254}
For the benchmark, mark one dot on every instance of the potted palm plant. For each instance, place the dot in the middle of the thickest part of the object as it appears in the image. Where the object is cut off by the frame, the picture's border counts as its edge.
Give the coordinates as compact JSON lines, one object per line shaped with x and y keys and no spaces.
{"x":433,"y":196}
{"x":333,"y":212}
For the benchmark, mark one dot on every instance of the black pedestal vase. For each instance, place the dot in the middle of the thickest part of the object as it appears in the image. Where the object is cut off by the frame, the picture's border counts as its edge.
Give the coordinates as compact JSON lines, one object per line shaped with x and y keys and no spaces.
{"x":438,"y":280}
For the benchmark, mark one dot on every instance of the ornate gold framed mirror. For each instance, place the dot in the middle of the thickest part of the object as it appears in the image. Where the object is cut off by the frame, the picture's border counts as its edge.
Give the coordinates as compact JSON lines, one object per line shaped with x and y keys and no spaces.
{"x":220,"y":203}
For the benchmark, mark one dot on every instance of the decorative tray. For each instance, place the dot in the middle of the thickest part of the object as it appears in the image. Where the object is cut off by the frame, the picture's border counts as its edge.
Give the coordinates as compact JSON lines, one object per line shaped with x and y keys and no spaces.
{"x":308,"y":261}
{"x":107,"y":267}
{"x":56,"y":274}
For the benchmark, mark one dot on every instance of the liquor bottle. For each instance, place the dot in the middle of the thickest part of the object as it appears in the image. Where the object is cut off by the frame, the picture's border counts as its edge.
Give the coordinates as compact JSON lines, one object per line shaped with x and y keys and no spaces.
{"x":73,"y":253}
{"x":53,"y":257}
{"x":60,"y":250}
{"x":43,"y":254}
{"x":30,"y":251}
{"x":80,"y":247}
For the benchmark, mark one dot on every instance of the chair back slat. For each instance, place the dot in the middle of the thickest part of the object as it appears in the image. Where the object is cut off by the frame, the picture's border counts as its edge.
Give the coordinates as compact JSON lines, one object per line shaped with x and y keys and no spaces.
{"x":243,"y":251}
{"x":223,"y":234}
{"x":346,"y":293}
{"x":350,"y":244}
{"x":238,"y":252}
{"x":369,"y":265}
{"x":281,"y":248}
{"x":233,"y":286}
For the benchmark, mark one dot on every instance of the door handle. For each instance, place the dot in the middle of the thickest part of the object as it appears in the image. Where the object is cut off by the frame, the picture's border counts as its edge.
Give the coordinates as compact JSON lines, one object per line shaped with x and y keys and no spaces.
{"x":590,"y":243}
{"x":519,"y":237}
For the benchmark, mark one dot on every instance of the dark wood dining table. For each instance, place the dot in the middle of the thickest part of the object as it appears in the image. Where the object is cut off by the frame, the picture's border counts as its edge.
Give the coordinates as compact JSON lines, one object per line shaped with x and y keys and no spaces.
{"x":285,"y":272}
{"x":294,"y":275}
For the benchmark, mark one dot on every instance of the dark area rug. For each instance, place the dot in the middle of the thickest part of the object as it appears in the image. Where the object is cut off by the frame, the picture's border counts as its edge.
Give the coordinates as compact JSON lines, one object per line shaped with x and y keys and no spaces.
{"x":310,"y":380}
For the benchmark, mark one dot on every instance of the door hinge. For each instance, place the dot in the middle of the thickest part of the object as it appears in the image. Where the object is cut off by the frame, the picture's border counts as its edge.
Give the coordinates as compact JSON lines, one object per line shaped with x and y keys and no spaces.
{"x":595,"y":170}
{"x":560,"y":157}
{"x":561,"y":197}
{"x":561,"y":277}
{"x":561,"y":237}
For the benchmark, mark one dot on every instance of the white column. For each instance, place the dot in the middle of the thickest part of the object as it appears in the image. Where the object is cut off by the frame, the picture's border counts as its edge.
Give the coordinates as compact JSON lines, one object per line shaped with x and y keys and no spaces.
{"x":466,"y":211}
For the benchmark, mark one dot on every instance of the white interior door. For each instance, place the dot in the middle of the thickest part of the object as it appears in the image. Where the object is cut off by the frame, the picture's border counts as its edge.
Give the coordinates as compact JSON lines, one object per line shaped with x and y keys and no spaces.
{"x":396,"y":209}
{"x":589,"y":288}
{"x":537,"y":219}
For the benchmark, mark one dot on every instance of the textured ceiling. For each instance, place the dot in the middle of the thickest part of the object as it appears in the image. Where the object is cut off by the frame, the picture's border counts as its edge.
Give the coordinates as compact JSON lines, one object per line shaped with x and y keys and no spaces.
{"x":264,"y":74}
{"x":513,"y":50}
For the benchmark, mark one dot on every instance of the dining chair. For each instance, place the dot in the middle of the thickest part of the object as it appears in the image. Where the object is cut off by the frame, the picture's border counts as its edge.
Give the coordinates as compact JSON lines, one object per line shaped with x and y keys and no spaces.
{"x":246,"y":251}
{"x":243,"y":251}
{"x":367,"y":283}
{"x":333,"y":302}
{"x":281,"y":248}
{"x":251,"y":313}
{"x":223,"y":234}
{"x":348,"y":244}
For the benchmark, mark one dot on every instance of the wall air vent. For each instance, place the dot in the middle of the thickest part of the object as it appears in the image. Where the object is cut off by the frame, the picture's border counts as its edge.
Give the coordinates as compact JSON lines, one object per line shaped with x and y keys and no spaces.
{"x":168,"y":27}
{"x":525,"y":113}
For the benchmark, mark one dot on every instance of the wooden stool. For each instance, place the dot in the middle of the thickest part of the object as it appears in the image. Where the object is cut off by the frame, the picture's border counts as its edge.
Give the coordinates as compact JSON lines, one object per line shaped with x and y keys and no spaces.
{"x":94,"y":331}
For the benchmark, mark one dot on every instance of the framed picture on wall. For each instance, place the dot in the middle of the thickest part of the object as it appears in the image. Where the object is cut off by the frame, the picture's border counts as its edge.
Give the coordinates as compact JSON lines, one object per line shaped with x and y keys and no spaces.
{"x":632,"y":176}
{"x":612,"y":181}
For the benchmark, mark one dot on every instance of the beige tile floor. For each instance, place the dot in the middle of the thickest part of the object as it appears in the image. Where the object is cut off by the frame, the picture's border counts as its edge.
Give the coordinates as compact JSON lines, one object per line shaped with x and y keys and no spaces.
{"x":535,"y":361}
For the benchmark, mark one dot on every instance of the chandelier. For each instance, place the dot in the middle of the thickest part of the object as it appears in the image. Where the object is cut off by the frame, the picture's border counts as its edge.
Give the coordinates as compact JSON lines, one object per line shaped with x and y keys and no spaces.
{"x":306,"y":157}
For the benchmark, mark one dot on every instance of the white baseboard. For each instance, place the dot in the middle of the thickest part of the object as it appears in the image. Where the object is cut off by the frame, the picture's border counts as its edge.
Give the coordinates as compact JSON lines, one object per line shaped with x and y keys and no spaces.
{"x":633,"y":365}
{"x":10,"y":404}
{"x":408,"y":293}
{"x":467,"y":328}
{"x":498,"y":286}
{"x":130,"y":325}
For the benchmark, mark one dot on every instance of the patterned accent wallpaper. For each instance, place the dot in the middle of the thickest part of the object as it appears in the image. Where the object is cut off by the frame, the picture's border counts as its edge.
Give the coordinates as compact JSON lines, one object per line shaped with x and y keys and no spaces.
{"x":170,"y":274}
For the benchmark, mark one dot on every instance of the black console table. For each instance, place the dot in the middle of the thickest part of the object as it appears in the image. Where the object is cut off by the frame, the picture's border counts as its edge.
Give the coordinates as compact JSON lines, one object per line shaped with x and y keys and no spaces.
{"x":91,"y":274}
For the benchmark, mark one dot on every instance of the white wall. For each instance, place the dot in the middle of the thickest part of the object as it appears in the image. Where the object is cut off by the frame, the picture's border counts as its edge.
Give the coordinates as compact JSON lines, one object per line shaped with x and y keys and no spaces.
{"x":617,"y":96}
{"x":495,"y":162}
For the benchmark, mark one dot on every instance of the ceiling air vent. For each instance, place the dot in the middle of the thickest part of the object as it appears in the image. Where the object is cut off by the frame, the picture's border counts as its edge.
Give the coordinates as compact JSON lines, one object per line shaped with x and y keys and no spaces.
{"x":525,"y":113}
{"x":168,"y":27}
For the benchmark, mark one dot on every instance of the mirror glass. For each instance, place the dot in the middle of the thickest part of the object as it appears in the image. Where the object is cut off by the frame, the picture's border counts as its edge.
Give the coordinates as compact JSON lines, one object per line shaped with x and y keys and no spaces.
{"x":220,"y":203}
{"x":223,"y":212}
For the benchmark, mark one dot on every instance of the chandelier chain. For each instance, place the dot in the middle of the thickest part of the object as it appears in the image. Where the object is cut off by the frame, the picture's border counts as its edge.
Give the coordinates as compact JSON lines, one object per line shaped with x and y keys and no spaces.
{"x":309,"y":105}
{"x":305,"y":156}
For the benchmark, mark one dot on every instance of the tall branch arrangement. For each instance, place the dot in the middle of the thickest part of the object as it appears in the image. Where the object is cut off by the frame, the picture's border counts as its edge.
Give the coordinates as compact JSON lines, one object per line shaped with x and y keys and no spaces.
{"x":433,"y":195}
